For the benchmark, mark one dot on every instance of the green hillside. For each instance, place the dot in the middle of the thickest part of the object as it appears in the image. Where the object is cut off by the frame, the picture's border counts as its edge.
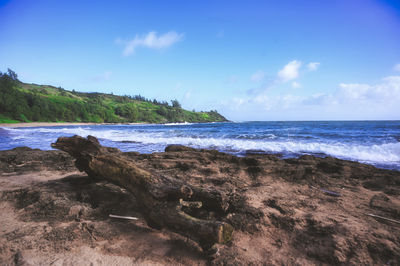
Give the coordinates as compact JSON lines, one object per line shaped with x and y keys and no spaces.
{"x":22,"y":102}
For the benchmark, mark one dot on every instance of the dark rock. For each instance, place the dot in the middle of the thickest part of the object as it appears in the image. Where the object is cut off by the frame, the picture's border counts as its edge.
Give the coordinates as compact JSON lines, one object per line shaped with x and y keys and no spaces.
{"x":178,"y":148}
{"x":24,"y":159}
{"x":330,"y":166}
{"x":383,"y":203}
{"x":19,"y":259}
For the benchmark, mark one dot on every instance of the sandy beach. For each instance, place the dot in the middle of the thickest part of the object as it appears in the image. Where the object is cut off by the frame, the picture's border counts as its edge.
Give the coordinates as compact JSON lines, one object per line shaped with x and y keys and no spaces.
{"x":44,"y":124}
{"x":56,"y":124}
{"x":305,"y":211}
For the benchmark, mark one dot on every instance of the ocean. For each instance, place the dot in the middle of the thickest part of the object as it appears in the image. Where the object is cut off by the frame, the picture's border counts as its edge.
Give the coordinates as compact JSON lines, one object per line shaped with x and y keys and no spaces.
{"x":371,"y":142}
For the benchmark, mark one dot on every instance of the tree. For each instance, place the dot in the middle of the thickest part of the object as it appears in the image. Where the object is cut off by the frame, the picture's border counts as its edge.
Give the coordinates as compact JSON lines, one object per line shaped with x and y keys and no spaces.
{"x":176,"y":104}
{"x":12,"y":74}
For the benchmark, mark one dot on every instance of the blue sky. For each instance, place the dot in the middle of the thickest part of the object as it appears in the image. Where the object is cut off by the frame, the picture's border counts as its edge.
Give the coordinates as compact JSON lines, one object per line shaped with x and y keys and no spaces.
{"x":250,"y":60}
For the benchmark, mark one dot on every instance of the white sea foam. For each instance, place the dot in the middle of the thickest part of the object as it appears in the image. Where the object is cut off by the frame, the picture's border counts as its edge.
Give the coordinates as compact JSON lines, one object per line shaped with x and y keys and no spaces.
{"x":388,"y":153}
{"x":178,"y":124}
{"x":383,"y":153}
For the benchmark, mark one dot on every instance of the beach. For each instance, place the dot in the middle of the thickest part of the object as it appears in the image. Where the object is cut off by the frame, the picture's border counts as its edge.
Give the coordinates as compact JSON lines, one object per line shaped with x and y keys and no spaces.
{"x":55,"y":124}
{"x":306,"y":211}
{"x":200,"y":133}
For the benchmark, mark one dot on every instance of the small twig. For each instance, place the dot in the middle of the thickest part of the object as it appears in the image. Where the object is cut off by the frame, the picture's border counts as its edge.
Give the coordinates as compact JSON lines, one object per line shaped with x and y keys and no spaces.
{"x":332,"y":193}
{"x":123,"y":217}
{"x":384,"y":218}
{"x":329,"y":192}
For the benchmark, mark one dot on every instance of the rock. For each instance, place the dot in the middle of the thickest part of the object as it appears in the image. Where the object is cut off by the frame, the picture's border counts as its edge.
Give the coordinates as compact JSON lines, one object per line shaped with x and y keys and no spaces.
{"x":19,"y":259}
{"x":178,"y":148}
{"x":382,"y":202}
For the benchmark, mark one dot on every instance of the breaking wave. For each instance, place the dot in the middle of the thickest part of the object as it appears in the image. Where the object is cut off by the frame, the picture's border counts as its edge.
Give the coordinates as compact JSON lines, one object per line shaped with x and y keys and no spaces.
{"x":381,"y":150}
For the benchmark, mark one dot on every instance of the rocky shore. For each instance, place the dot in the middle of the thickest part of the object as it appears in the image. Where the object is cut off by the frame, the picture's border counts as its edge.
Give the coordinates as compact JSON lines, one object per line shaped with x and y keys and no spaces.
{"x":305,"y":211}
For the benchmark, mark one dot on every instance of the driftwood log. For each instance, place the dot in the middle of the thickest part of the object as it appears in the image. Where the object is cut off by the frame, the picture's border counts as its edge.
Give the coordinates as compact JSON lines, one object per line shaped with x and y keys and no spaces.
{"x":162,"y":199}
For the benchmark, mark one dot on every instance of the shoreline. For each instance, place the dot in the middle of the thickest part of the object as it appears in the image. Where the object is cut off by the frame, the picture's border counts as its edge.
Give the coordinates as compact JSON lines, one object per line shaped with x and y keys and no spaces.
{"x":92,"y":128}
{"x":56,"y":124}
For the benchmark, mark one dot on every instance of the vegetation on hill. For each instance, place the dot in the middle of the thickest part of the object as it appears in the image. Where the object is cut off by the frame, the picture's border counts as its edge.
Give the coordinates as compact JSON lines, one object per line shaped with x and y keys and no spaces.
{"x":22,"y":102}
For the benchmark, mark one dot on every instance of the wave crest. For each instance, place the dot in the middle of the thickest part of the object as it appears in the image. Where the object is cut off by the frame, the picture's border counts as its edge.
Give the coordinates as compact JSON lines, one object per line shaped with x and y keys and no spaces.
{"x":388,"y":153}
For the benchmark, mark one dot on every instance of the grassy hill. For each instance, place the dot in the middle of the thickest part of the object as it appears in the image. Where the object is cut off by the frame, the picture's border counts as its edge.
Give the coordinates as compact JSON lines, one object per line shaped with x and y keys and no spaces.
{"x":22,"y":102}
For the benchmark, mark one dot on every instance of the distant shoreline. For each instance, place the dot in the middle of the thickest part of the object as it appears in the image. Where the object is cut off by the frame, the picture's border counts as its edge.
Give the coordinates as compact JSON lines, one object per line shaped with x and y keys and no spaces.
{"x":55,"y":124}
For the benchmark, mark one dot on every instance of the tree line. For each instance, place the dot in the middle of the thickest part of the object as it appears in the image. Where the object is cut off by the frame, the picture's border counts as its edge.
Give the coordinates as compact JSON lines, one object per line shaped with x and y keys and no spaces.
{"x":28,"y":102}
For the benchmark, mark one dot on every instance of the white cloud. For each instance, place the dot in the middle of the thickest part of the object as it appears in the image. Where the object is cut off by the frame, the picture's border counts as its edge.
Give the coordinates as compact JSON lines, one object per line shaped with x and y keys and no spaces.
{"x":296,"y":85}
{"x":386,"y":92}
{"x":312,"y":66}
{"x":350,"y":101}
{"x":151,"y":40}
{"x":397,"y":67}
{"x":290,"y":71}
{"x":353,"y":91}
{"x":258,"y":76}
{"x":289,"y":100}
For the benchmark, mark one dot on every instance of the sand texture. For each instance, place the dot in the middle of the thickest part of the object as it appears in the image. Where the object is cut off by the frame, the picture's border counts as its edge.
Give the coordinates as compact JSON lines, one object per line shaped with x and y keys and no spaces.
{"x":58,"y":124}
{"x":306,"y":211}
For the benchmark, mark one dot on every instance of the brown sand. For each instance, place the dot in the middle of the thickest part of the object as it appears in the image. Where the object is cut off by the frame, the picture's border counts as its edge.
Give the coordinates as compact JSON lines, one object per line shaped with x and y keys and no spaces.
{"x":56,"y":124}
{"x":44,"y":124}
{"x":286,"y":215}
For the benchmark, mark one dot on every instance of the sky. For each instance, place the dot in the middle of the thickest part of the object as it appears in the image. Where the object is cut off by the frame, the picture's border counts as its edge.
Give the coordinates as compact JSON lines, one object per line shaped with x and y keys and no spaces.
{"x":250,"y":60}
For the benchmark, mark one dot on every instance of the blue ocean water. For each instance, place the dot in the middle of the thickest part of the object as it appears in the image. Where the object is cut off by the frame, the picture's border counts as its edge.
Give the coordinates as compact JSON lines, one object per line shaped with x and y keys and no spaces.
{"x":372,"y":142}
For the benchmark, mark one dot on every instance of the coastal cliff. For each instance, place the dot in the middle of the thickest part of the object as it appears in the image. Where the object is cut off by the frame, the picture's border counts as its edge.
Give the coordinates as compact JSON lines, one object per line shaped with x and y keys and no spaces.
{"x":23,"y":102}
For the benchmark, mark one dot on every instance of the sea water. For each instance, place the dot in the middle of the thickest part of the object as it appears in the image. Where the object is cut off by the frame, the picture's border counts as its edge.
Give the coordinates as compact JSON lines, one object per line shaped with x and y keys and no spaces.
{"x":372,"y":142}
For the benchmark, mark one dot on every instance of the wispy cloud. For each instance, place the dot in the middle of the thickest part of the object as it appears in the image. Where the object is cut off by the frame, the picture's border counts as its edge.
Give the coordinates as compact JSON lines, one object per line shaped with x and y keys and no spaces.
{"x":102,"y":77}
{"x":388,"y":91}
{"x":397,"y":67}
{"x":366,"y":97}
{"x":290,"y":71}
{"x":354,"y":91}
{"x":187,"y":95}
{"x":348,"y":101}
{"x":258,"y":76}
{"x":296,"y":85}
{"x":312,"y":66}
{"x":151,"y":41}
{"x":177,"y":87}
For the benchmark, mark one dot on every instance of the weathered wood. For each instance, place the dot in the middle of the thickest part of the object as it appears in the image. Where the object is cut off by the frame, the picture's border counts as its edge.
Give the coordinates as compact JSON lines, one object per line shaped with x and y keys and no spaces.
{"x":160,"y":198}
{"x":122,"y":217}
{"x":383,"y":218}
